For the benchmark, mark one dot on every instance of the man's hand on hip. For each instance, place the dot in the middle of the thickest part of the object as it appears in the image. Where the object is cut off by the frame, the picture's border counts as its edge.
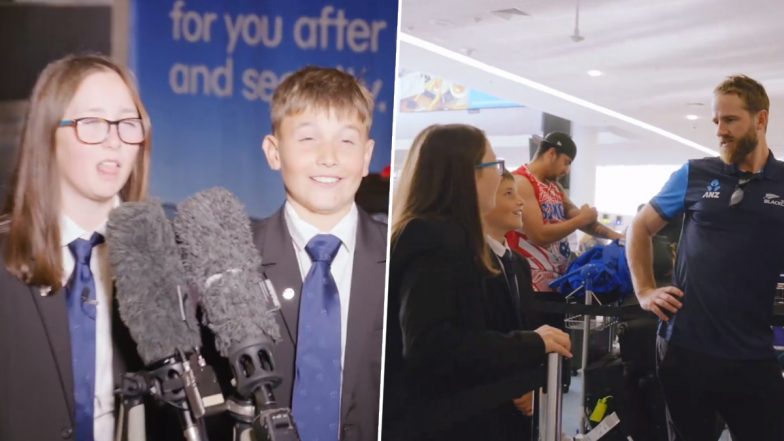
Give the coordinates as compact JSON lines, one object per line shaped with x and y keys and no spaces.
{"x":664,"y":301}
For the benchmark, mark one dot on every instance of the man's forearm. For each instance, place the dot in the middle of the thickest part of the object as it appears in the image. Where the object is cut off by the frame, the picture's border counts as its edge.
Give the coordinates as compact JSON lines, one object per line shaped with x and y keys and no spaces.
{"x":596,"y":229}
{"x":549,"y":233}
{"x":639,"y":254}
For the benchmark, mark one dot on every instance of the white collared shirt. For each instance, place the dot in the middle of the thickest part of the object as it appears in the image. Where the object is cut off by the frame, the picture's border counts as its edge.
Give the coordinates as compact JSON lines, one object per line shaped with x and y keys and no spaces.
{"x":343,"y":264}
{"x":498,"y":248}
{"x":103,"y":410}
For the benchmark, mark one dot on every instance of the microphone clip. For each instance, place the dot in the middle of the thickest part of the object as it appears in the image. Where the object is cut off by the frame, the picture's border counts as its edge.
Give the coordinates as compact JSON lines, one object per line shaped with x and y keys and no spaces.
{"x":186,"y":383}
{"x":201,"y":386}
{"x":275,"y":424}
{"x":255,"y":378}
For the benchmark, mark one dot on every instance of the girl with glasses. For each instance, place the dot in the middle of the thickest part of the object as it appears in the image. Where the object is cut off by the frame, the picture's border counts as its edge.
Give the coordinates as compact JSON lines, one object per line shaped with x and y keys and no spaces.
{"x":448,"y":376}
{"x":85,"y":147}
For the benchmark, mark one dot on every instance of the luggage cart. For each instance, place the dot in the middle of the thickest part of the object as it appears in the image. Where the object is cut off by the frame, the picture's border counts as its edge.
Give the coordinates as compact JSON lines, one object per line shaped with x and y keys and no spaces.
{"x":551,"y":401}
{"x":587,"y":323}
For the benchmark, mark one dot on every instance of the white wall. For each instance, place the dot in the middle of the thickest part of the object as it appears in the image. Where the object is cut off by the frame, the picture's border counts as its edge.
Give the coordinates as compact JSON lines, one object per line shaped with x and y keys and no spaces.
{"x":612,"y":171}
{"x":508,"y":130}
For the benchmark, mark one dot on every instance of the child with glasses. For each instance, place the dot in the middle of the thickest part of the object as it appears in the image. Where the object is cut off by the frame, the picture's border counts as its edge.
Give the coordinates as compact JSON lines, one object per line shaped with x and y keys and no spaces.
{"x":449,"y":374}
{"x":85,"y":147}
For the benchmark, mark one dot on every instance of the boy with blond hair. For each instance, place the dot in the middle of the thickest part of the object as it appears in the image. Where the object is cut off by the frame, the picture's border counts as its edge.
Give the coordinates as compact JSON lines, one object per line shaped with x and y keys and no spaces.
{"x":325,"y":256}
{"x":509,"y":294}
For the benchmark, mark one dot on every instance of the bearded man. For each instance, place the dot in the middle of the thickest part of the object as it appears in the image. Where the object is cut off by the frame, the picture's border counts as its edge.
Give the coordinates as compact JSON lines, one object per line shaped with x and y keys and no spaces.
{"x":715,"y":344}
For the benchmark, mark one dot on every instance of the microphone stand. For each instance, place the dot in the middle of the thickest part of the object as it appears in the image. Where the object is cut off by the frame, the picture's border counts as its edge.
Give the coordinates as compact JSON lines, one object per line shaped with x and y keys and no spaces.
{"x":132,"y":425}
{"x":172,"y":382}
{"x":255,"y":378}
{"x":273,"y":423}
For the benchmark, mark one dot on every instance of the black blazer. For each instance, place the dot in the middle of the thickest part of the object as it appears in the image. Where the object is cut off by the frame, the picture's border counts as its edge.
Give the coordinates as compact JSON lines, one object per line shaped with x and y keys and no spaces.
{"x":507,"y":311}
{"x":36,"y":377}
{"x":362,"y":364}
{"x":453,"y":368}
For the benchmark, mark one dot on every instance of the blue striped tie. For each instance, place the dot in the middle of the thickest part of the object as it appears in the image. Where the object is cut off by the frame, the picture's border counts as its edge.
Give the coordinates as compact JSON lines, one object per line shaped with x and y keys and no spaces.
{"x":80,"y":299}
{"x":316,"y":398}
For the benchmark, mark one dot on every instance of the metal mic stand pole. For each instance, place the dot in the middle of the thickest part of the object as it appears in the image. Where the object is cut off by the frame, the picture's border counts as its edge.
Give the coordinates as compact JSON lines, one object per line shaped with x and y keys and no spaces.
{"x":175,"y":385}
{"x":132,"y":425}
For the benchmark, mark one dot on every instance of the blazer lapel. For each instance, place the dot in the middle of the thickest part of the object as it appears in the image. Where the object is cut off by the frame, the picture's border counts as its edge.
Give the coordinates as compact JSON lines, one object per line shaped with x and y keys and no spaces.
{"x":367,"y":291}
{"x":524,"y":291}
{"x":279,"y":264}
{"x":54,"y":316}
{"x":54,"y":319}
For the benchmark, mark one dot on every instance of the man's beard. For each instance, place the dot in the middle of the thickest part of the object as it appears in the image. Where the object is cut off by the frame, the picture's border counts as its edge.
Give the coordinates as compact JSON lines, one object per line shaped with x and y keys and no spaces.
{"x":734,"y":152}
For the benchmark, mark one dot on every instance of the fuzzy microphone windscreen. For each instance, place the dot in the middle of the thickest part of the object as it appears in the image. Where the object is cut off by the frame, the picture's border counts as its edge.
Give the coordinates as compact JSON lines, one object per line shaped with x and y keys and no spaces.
{"x":222,"y":261}
{"x":148,"y":272}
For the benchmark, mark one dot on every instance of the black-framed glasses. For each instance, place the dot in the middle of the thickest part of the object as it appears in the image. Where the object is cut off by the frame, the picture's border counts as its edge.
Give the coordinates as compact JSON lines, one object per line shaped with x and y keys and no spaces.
{"x":94,"y":130}
{"x":737,"y":195}
{"x":499,"y":165}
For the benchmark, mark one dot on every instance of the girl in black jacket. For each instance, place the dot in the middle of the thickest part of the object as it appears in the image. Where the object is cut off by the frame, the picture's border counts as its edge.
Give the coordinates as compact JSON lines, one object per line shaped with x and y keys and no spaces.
{"x":85,"y":147}
{"x":447,"y":374}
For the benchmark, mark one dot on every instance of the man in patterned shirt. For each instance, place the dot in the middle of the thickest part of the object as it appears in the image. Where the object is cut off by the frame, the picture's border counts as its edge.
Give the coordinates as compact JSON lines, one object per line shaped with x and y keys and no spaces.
{"x":549,"y":216}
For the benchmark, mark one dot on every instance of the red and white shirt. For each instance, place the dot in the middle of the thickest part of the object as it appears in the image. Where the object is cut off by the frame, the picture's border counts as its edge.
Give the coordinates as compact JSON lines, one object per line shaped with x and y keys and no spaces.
{"x":547,"y":262}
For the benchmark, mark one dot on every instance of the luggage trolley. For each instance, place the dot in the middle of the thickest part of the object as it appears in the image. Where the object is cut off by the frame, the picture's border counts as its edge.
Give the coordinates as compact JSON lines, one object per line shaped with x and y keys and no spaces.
{"x":551,"y":401}
{"x":592,"y":315}
{"x":587,"y":323}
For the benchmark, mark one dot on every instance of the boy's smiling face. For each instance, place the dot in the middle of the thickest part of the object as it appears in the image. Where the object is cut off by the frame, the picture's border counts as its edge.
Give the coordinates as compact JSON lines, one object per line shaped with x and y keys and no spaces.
{"x":322,"y":157}
{"x":508,"y":211}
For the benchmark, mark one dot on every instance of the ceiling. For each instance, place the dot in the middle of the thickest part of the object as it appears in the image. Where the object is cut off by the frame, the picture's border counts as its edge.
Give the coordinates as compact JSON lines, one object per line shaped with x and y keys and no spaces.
{"x":661,"y":60}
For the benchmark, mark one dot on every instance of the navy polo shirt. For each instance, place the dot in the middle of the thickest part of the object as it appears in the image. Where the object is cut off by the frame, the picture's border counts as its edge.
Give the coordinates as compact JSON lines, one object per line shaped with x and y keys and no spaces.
{"x":729,"y":258}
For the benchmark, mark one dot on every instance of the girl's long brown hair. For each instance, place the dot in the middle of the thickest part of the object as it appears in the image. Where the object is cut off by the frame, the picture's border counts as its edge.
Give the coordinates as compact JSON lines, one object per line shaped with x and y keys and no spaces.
{"x":439,"y":182}
{"x":32,"y":248}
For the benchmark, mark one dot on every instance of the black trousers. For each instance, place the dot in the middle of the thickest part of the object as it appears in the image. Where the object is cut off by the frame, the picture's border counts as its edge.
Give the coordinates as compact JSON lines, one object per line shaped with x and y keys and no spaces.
{"x":699,"y":388}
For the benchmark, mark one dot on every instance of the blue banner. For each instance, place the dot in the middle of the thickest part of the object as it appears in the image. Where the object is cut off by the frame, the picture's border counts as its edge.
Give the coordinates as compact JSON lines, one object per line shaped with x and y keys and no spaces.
{"x":207,"y":71}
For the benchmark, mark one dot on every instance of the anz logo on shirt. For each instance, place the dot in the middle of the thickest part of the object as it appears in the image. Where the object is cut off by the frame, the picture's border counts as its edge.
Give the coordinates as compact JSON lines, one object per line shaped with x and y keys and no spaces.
{"x":713,"y":190}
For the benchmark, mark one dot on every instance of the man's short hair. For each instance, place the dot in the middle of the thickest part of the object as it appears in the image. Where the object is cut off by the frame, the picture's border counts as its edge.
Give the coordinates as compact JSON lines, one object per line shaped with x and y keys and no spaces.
{"x":507,"y":176}
{"x":321,"y":89}
{"x":749,"y":90}
{"x":561,"y":142}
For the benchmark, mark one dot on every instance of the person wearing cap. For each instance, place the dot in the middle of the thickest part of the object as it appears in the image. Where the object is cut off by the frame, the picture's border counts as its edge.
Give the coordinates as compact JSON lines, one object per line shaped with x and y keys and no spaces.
{"x":549,"y":216}
{"x":714,"y":346}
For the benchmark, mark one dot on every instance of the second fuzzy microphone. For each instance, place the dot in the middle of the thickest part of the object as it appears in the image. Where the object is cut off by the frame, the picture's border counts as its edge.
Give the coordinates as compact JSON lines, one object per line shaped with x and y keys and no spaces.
{"x":224,"y":266}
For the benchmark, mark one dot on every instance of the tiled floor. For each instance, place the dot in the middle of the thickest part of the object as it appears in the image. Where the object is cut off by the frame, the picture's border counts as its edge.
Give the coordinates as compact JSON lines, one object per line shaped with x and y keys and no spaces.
{"x":570,"y":421}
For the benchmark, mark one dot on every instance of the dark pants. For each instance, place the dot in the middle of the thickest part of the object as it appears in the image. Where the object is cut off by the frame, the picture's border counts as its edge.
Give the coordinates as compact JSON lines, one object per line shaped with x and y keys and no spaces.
{"x":699,"y":388}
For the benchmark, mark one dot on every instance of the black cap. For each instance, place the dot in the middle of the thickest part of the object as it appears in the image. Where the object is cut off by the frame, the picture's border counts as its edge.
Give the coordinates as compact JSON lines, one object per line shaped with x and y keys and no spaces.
{"x":562,"y":143}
